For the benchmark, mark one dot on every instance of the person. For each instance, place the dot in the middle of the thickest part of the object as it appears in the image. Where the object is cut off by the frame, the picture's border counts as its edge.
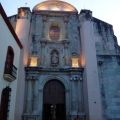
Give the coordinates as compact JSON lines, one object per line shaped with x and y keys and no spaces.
{"x":77,"y":118}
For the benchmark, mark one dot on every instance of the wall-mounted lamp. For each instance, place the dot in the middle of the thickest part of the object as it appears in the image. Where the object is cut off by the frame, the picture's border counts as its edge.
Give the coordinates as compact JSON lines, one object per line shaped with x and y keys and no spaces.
{"x":75,"y":62}
{"x":33,"y":61}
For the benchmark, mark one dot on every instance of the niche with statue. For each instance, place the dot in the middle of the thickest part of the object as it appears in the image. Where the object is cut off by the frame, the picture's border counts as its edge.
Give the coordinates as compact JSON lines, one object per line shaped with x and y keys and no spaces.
{"x":54,"y":58}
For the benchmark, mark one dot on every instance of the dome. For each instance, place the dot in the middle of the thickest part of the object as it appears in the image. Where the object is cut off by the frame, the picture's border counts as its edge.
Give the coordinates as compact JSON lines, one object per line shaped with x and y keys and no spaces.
{"x":55,"y":5}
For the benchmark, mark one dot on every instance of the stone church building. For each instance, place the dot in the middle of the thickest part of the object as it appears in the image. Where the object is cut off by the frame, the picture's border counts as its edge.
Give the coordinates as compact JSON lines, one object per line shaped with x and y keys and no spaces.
{"x":69,"y":64}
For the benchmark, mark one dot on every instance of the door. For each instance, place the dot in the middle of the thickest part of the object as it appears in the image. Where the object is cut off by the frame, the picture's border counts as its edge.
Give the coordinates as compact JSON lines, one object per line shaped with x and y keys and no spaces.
{"x":54,"y":101}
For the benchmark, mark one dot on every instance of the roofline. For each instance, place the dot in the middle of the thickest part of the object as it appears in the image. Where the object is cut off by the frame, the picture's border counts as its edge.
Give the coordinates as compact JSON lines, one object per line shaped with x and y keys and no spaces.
{"x":3,"y":14}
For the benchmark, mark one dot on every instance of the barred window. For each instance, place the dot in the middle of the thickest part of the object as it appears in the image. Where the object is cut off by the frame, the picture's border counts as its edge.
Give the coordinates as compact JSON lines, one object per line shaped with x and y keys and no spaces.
{"x":54,"y":33}
{"x":5,"y":103}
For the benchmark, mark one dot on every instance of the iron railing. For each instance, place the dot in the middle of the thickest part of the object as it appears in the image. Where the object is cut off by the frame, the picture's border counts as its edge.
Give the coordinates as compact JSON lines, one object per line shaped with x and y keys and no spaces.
{"x":10,"y":69}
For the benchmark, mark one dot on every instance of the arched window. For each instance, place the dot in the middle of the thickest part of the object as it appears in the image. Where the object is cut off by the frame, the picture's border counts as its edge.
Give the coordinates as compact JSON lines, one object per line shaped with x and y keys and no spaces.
{"x":5,"y":103}
{"x":9,"y":60}
{"x":54,"y":33}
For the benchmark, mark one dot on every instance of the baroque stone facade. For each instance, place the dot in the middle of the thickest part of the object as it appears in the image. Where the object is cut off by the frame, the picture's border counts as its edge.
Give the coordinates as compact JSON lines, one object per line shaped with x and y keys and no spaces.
{"x":77,"y":50}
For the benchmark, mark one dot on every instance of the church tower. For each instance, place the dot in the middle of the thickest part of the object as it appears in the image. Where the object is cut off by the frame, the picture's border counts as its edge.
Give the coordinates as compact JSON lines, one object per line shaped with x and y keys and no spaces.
{"x":22,"y":30}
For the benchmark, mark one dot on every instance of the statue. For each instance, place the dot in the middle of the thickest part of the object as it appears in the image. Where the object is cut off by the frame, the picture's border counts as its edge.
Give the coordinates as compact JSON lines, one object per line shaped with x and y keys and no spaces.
{"x":54,"y":58}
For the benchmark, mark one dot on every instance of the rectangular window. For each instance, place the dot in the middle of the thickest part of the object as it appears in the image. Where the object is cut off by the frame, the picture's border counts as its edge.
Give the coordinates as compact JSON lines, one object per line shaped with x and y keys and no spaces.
{"x":54,"y":33}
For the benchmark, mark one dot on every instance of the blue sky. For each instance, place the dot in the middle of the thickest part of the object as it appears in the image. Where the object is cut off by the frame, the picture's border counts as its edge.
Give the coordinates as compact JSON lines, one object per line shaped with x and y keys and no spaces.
{"x":105,"y":10}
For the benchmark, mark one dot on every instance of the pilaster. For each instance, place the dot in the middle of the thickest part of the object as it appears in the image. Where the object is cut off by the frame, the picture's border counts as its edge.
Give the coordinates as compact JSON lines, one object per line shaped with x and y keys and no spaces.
{"x":43,"y":29}
{"x":29,"y":96}
{"x":41,"y":102}
{"x":77,"y":103}
{"x":35,"y":96}
{"x":31,"y":103}
{"x":66,"y":42}
{"x":66,"y":26}
{"x":42,"y":57}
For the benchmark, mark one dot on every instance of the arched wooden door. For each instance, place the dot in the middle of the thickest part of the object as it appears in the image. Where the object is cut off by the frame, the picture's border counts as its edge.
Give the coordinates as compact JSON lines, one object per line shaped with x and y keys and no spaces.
{"x":54,"y":101}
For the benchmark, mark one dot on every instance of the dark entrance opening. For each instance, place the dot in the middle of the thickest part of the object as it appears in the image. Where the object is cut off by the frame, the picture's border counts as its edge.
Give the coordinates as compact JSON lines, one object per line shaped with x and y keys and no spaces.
{"x":54,"y":101}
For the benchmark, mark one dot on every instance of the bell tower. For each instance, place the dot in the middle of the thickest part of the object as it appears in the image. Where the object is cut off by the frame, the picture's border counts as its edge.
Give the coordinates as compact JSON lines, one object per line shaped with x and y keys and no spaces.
{"x":22,"y":30}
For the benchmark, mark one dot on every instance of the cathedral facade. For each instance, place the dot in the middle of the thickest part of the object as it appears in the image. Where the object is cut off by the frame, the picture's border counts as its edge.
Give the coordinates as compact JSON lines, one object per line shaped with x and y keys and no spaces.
{"x":69,"y":64}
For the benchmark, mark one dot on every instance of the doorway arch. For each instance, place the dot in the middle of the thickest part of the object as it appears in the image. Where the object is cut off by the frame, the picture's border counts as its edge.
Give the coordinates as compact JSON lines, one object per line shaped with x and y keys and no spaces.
{"x":54,"y":100}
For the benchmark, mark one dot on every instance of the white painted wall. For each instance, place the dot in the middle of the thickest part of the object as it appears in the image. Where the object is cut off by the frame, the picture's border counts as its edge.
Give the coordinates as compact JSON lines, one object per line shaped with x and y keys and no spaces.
{"x":22,"y":31}
{"x":90,"y":75}
{"x":7,"y":39}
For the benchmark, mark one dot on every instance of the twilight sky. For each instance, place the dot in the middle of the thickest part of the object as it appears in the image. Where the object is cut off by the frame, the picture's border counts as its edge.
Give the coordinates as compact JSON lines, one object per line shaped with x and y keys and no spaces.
{"x":105,"y":10}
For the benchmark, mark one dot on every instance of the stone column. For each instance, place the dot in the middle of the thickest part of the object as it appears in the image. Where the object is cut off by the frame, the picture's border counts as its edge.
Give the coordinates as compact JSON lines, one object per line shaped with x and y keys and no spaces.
{"x":77,"y":95}
{"x":41,"y":102}
{"x":35,"y":95}
{"x":42,"y":53}
{"x":73,"y":96}
{"x":43,"y":30}
{"x":66,"y":30}
{"x":80,"y":99}
{"x":67,"y":94}
{"x":29,"y":96}
{"x":66,"y":53}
